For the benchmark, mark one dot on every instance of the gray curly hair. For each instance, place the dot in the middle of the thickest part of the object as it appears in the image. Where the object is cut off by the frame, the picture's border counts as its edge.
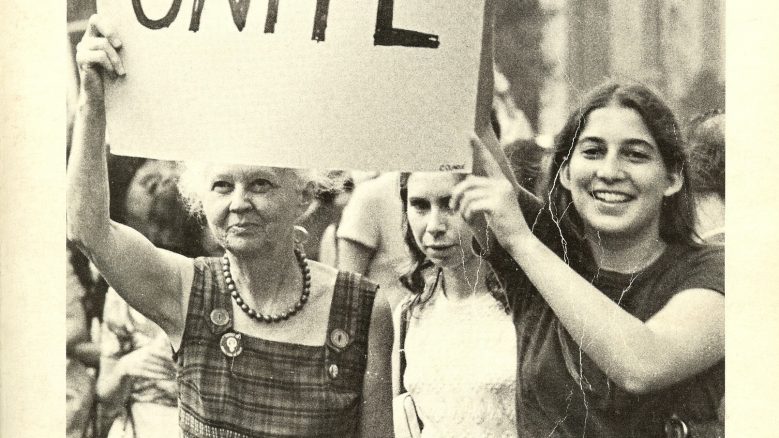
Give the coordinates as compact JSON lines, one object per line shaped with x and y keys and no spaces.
{"x":191,"y":183}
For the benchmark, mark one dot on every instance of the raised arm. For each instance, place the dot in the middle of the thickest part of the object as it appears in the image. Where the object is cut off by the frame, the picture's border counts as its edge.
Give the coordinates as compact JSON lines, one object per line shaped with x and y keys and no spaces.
{"x":153,"y":281}
{"x":684,"y":338}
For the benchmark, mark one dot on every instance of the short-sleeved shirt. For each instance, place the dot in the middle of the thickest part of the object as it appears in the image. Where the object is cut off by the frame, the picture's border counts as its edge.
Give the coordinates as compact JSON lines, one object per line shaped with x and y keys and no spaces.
{"x":561,"y":392}
{"x":373,"y":217}
{"x":271,"y":389}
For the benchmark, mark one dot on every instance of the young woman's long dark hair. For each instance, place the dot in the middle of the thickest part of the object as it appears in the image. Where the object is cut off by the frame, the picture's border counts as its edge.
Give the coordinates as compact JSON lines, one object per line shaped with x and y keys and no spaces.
{"x":414,"y":279}
{"x":677,"y":216}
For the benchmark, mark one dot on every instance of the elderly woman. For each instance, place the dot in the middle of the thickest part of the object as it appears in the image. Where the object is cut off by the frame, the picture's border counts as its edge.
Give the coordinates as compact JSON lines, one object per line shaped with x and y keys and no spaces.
{"x":267,"y":343}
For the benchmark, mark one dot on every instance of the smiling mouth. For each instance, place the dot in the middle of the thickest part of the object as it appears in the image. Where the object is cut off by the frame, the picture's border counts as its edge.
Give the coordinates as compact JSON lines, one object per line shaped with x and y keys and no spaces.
{"x":242,"y":226}
{"x":611,"y":197}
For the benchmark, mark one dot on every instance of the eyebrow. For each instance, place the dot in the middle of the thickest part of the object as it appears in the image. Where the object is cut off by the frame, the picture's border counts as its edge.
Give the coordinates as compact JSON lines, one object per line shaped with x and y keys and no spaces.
{"x":639,"y":142}
{"x":591,"y":138}
{"x":253,"y":174}
{"x":628,"y":142}
{"x":443,"y":200}
{"x":216,"y":176}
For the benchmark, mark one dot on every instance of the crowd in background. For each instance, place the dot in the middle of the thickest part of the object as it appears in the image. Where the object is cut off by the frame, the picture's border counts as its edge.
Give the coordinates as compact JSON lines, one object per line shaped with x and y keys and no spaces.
{"x":119,"y":372}
{"x":120,"y":368}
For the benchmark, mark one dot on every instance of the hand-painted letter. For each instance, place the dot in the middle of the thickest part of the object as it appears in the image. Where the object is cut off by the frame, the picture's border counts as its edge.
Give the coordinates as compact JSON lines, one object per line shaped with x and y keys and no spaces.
{"x":239,"y":8}
{"x":156,"y":24}
{"x":386,"y":35}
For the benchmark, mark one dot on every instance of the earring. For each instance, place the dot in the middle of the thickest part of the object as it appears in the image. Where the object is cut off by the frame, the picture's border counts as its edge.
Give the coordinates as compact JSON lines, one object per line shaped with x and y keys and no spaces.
{"x":300,"y":235}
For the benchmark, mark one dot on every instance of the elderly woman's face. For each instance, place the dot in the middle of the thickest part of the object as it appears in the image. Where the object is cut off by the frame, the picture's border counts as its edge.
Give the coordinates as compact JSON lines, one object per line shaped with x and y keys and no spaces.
{"x":252,"y":209}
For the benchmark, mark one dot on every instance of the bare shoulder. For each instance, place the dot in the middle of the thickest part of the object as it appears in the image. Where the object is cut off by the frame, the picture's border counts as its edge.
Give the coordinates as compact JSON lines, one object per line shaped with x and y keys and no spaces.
{"x":323,"y":276}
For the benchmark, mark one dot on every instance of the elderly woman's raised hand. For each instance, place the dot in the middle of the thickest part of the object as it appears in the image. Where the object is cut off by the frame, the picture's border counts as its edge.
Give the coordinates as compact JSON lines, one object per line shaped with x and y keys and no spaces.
{"x":97,"y":56}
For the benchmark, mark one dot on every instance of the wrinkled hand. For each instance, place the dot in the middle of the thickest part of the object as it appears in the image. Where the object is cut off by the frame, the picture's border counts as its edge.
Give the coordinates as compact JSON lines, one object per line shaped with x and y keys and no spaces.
{"x":97,"y":57}
{"x":489,"y":195}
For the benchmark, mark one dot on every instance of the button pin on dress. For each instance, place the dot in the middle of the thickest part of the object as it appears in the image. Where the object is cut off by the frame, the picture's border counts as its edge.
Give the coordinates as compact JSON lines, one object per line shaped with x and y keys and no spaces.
{"x":220,"y":317}
{"x":231,"y":344}
{"x":339,"y":338}
{"x":333,"y":371}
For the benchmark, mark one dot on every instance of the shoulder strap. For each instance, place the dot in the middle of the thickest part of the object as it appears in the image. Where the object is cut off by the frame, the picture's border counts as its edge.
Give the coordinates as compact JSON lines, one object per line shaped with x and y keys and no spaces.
{"x":351,"y":307}
{"x":401,"y":349}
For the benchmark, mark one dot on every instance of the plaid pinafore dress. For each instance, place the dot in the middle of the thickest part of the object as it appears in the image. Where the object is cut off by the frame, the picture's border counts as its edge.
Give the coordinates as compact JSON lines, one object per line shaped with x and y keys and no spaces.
{"x":271,"y":389}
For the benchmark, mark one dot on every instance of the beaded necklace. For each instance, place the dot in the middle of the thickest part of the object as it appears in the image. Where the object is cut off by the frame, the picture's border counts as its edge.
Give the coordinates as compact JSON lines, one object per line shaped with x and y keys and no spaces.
{"x":276,"y":317}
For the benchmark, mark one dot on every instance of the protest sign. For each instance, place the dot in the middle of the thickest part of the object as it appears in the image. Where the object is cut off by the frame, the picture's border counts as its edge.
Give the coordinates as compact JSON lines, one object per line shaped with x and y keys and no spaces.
{"x":382,"y":84}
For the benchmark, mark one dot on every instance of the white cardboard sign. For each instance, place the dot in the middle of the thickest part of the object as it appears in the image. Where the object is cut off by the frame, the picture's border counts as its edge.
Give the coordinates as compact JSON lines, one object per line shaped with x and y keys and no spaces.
{"x":349,"y":84}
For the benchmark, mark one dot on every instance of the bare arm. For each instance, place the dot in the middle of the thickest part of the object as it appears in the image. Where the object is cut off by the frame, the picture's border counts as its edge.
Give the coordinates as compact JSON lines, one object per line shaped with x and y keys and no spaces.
{"x":682,"y":339}
{"x":376,"y":417}
{"x":127,"y":260}
{"x":353,"y":256}
{"x":358,"y":236}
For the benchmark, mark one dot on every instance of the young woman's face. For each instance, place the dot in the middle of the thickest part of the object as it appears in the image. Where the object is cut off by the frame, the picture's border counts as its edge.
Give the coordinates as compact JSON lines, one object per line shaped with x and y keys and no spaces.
{"x":616,"y":175}
{"x":440,"y":233}
{"x":251,"y":208}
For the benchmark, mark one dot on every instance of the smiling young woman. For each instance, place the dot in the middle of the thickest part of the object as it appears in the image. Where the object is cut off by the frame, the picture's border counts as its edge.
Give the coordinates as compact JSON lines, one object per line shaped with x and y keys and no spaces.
{"x":617,"y":178}
{"x":619,"y":313}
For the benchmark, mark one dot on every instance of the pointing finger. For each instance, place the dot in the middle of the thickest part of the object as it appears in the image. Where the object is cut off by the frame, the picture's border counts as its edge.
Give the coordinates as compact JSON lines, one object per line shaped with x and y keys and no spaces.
{"x":490,"y":160}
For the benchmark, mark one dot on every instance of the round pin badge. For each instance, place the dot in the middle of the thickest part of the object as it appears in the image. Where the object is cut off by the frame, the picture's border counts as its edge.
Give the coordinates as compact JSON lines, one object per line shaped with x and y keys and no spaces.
{"x":220,"y":317}
{"x":333,"y":371}
{"x":231,"y":344}
{"x":339,"y":338}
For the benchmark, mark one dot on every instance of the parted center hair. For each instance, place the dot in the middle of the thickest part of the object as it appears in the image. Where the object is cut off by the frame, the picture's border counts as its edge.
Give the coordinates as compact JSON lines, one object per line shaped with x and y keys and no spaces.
{"x":677,"y":217}
{"x":414,"y":278}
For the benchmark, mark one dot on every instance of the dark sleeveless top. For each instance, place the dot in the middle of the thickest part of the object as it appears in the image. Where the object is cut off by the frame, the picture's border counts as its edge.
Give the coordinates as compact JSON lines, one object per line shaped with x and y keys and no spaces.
{"x":561,"y":392}
{"x":271,"y":389}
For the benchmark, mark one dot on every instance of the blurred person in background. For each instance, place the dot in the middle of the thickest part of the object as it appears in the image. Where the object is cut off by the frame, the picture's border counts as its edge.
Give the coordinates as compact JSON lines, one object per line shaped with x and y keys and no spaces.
{"x":82,"y":354}
{"x":137,"y":386}
{"x":530,"y":163}
{"x":706,"y":152}
{"x":370,"y":237}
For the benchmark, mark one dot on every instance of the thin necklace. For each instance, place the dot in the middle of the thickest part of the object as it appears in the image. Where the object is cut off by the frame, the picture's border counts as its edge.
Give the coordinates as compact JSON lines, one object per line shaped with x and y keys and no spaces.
{"x":276,"y":317}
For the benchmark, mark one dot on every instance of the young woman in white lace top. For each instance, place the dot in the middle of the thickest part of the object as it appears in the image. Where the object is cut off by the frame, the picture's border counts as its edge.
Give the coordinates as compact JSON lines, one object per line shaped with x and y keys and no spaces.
{"x":456,"y":321}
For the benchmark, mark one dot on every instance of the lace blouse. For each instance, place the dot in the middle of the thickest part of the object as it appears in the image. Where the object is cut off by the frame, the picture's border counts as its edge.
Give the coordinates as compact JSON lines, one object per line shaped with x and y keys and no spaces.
{"x":461,"y":367}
